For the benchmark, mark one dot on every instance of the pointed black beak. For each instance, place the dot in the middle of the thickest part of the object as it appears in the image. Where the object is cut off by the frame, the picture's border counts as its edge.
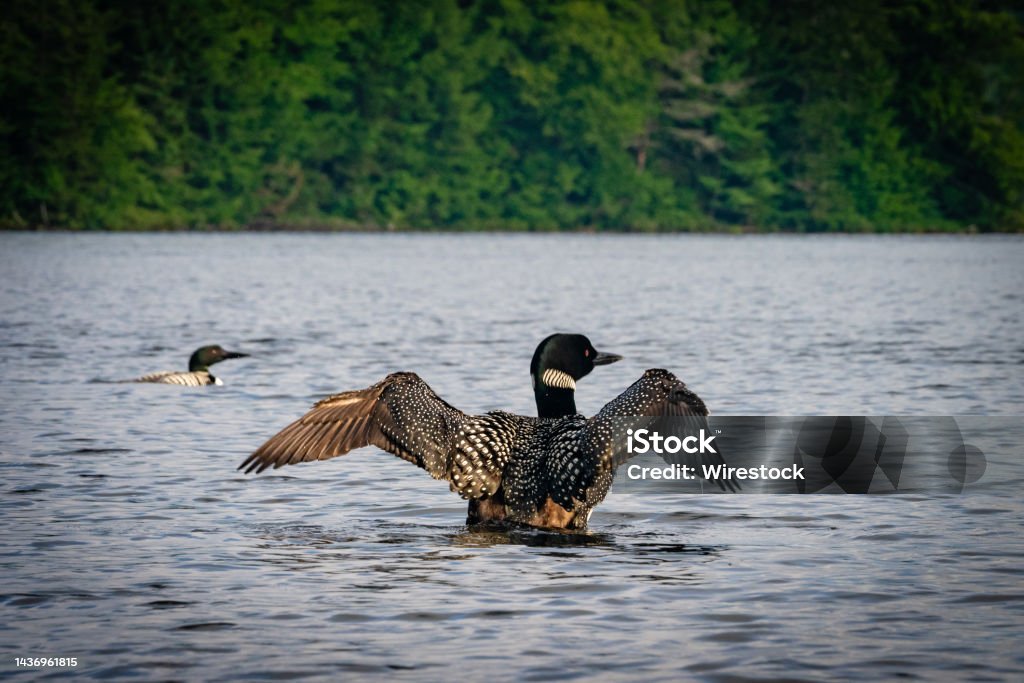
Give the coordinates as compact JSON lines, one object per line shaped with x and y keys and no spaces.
{"x":234,"y":354}
{"x":603,"y":358}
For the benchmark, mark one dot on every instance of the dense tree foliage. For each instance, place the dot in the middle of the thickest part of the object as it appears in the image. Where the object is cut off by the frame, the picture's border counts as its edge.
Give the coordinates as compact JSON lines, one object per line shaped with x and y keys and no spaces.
{"x":495,"y":114}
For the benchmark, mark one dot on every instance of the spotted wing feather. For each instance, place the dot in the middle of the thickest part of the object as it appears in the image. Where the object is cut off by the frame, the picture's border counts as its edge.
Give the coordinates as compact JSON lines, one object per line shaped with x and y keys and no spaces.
{"x":400,"y":414}
{"x":570,"y":467}
{"x":657,"y":401}
{"x":482,"y":450}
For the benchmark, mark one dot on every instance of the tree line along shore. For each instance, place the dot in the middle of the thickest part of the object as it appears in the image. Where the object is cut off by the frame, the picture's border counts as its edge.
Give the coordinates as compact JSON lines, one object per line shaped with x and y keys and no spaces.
{"x":707,"y":115}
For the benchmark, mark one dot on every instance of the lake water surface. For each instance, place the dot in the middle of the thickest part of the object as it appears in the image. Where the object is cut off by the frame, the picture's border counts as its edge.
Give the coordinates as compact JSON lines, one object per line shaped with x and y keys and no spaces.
{"x":130,"y":542}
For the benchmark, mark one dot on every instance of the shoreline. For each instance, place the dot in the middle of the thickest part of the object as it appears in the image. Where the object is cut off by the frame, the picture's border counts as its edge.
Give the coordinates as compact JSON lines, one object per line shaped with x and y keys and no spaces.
{"x":376,"y":230}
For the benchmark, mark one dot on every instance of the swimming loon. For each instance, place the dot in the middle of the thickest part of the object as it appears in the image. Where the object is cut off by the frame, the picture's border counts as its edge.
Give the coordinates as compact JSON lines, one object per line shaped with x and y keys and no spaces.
{"x":558,"y":363}
{"x":544,"y":471}
{"x":198,"y":368}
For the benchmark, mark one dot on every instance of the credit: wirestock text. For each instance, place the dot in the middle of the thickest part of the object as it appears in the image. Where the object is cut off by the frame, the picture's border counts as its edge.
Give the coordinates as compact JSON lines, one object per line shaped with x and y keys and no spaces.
{"x":714,"y":472}
{"x":642,"y":441}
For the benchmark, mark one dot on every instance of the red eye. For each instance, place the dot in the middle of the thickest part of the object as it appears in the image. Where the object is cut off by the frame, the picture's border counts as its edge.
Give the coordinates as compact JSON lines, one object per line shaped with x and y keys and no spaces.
{"x":586,"y":353}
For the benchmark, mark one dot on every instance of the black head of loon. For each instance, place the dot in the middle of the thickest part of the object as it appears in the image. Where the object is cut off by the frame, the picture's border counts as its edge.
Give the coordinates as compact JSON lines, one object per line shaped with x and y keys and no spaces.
{"x":559,"y":361}
{"x":206,"y":356}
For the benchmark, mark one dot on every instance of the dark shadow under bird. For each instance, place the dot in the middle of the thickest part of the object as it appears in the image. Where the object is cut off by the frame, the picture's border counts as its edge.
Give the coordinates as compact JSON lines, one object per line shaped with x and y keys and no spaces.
{"x":546,"y":471}
{"x":198,"y":374}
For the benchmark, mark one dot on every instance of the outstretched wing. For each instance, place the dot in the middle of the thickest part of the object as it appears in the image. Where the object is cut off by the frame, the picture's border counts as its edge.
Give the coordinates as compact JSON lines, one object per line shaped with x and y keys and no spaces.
{"x":658,"y":401}
{"x":400,"y":414}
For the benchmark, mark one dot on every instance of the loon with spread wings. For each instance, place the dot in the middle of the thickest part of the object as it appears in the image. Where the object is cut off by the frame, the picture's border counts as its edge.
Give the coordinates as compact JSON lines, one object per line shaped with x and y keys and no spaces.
{"x":547,"y":471}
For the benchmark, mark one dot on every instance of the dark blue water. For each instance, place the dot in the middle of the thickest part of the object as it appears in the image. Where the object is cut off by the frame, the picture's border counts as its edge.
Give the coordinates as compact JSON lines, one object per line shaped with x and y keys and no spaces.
{"x":130,"y":542}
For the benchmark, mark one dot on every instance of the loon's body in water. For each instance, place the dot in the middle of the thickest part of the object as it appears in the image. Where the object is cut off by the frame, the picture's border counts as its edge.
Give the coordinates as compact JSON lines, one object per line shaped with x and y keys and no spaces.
{"x":559,"y":361}
{"x":547,"y":471}
{"x":198,"y":374}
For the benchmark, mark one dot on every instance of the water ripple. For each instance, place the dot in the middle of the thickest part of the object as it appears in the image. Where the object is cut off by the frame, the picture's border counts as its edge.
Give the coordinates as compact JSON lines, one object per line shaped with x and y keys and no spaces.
{"x":130,"y":541}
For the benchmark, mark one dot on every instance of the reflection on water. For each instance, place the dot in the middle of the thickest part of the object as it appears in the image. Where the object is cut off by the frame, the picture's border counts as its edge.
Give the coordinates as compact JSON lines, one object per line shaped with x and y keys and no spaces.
{"x":130,"y":541}
{"x":497,"y":533}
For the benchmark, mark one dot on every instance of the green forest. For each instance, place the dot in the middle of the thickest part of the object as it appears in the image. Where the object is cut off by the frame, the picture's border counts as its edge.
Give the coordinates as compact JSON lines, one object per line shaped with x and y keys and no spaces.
{"x":626,"y":115}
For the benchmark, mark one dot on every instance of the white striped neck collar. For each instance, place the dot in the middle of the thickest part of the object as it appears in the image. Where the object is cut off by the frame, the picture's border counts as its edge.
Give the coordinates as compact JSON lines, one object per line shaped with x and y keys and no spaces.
{"x":558,"y":379}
